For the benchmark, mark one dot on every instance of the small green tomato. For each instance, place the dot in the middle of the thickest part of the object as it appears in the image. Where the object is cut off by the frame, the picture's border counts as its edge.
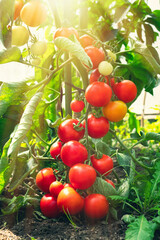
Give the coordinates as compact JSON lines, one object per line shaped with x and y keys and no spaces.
{"x":20,"y":35}
{"x":105,"y":68}
{"x":38,"y":48}
{"x":111,"y":55}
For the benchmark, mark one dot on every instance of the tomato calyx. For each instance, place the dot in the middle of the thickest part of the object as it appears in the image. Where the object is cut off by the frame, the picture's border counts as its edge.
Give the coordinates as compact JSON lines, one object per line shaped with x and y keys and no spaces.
{"x":98,"y":155}
{"x":77,"y":127}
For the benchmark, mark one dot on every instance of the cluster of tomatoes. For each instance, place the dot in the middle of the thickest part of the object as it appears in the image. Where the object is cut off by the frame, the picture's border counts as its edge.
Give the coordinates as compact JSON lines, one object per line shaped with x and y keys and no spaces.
{"x":30,"y":14}
{"x":72,"y":197}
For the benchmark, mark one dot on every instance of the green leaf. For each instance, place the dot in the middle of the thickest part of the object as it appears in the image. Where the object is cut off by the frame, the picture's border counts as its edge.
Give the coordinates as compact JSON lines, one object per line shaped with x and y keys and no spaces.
{"x":133,"y":121}
{"x":75,"y":49}
{"x":14,"y":205}
{"x":102,"y":187}
{"x":124,"y":161}
{"x":153,"y":136}
{"x":24,"y":125}
{"x":140,"y":229}
{"x":10,"y":92}
{"x":145,"y":52}
{"x":149,"y":33}
{"x":124,"y":188}
{"x":113,"y":213}
{"x":102,"y":147}
{"x":23,"y":167}
{"x":154,"y":19}
{"x":10,"y":55}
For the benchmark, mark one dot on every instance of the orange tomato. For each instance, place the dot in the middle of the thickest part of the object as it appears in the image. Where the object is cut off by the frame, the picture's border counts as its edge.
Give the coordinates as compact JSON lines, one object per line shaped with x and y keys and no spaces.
{"x":17,"y":8}
{"x":86,"y":40}
{"x":33,"y":13}
{"x":115,"y":111}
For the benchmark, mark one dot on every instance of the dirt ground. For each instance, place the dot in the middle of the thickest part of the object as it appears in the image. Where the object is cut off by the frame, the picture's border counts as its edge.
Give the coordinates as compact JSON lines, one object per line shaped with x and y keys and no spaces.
{"x":48,"y":229}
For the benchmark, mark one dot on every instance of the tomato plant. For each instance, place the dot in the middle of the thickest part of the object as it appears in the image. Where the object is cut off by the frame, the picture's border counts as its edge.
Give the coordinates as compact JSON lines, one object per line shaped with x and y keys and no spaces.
{"x":112,"y":56}
{"x":96,"y":55}
{"x":95,"y":76}
{"x":126,"y":90}
{"x":98,"y":94}
{"x":70,"y":201}
{"x":55,"y":188}
{"x":96,"y":206}
{"x":20,"y":35}
{"x":33,"y":13}
{"x":44,"y":178}
{"x":103,"y":165}
{"x":98,"y":127}
{"x":86,"y":40}
{"x":82,"y":176}
{"x":55,"y":149}
{"x":67,"y":131}
{"x":73,"y":152}
{"x":77,"y":105}
{"x":115,"y":111}
{"x":48,"y":206}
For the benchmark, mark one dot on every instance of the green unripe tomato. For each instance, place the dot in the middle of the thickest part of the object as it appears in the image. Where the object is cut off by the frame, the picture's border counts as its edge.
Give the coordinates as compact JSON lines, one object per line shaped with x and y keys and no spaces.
{"x":35,"y":61}
{"x":20,"y":35}
{"x":111,"y":55}
{"x":38,"y":48}
{"x":105,"y":68}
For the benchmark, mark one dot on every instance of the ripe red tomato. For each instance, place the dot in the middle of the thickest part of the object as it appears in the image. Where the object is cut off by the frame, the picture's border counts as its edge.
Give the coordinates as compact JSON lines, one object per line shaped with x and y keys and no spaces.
{"x":48,"y":206}
{"x":97,"y":127}
{"x":126,"y":90}
{"x":70,"y":201}
{"x":66,"y":131}
{"x":82,"y":176}
{"x":86,"y":40}
{"x":77,"y":106}
{"x":17,"y":8}
{"x":66,"y":32}
{"x":73,"y":152}
{"x":103,"y":165}
{"x":96,"y":206}
{"x":33,"y":13}
{"x":98,"y":94}
{"x":115,"y":111}
{"x":96,"y":55}
{"x":55,"y":188}
{"x":44,"y":178}
{"x":68,"y":185}
{"x":56,"y":149}
{"x":110,"y":182}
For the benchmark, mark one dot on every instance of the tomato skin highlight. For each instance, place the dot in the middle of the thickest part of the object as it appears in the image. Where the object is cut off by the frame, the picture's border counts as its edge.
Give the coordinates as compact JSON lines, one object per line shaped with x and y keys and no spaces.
{"x":104,"y":165}
{"x":115,"y":111}
{"x":126,"y":91}
{"x":77,"y":106}
{"x":73,"y":152}
{"x":82,"y":176}
{"x":65,"y":32}
{"x":55,"y":150}
{"x":66,"y":131}
{"x":86,"y":40}
{"x":96,"y":206}
{"x":97,"y":127}
{"x":33,"y":13}
{"x":48,"y":206}
{"x":70,"y":201}
{"x":44,"y":178}
{"x":96,"y":55}
{"x":55,"y":188}
{"x":98,"y":94}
